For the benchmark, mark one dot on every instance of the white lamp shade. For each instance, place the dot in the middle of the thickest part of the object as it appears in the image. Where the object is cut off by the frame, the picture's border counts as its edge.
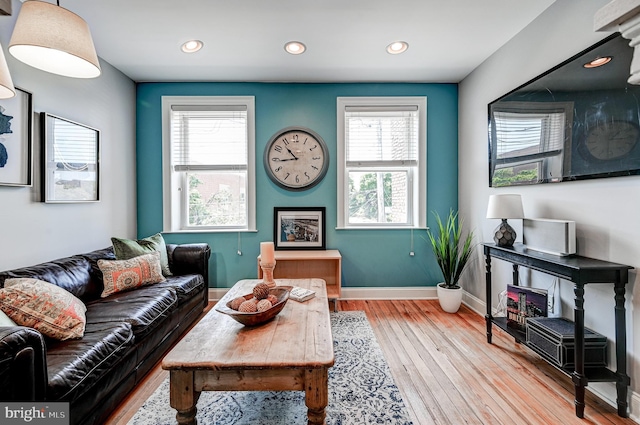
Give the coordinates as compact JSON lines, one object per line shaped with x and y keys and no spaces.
{"x":505,"y":206}
{"x":6,"y":84}
{"x":53,"y":39}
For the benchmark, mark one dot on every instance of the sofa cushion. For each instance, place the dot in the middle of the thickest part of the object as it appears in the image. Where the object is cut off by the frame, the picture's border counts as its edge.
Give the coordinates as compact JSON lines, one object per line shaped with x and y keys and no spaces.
{"x":43,"y":306}
{"x":71,"y":274}
{"x":122,"y":275}
{"x":144,"y":309}
{"x":74,"y":366}
{"x":128,"y":248}
{"x":184,"y":286}
{"x":96,"y":285}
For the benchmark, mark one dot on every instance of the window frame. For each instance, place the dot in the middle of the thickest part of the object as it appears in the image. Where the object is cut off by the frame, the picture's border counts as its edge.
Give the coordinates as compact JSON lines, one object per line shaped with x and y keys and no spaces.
{"x":417,"y":208}
{"x":174,"y":200}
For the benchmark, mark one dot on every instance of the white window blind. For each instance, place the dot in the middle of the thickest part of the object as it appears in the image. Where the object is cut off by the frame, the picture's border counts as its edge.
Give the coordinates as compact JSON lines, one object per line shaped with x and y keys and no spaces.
{"x":381,"y":162}
{"x":381,"y":135}
{"x":209,"y":163}
{"x":74,"y":146}
{"x":523,"y":134}
{"x":209,"y":137}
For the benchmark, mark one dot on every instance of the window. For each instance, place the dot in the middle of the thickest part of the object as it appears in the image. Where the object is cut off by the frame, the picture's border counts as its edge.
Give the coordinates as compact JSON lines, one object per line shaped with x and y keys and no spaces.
{"x":382,"y":172}
{"x":527,"y":142}
{"x":209,"y":163}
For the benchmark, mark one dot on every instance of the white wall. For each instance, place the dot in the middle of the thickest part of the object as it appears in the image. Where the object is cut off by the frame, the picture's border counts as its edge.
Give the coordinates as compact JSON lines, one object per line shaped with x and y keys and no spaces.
{"x":605,"y":210}
{"x":32,"y":231}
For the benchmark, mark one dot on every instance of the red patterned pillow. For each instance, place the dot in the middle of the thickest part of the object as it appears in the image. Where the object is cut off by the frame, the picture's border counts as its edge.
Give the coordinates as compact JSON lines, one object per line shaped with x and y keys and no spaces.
{"x":120,"y":275}
{"x":43,"y":306}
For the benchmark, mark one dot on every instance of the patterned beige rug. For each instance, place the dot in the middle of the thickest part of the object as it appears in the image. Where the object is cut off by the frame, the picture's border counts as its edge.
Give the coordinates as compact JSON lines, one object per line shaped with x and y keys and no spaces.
{"x":361,"y":390}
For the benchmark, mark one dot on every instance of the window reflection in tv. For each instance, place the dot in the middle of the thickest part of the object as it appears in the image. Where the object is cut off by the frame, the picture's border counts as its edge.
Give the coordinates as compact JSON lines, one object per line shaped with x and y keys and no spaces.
{"x":572,"y":122}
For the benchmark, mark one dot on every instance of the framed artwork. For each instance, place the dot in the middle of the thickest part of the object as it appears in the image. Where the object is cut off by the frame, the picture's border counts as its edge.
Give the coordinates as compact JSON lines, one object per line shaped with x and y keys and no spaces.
{"x":299,"y":228}
{"x":5,"y":7}
{"x":71,"y":161}
{"x":16,"y":139}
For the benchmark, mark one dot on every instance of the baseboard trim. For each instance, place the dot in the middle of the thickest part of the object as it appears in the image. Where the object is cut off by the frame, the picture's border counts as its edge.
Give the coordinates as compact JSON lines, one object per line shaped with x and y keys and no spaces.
{"x":216,"y":293}
{"x":634,"y":407}
{"x":474,"y":303}
{"x":367,"y":293}
{"x":386,"y":293}
{"x":634,"y":404}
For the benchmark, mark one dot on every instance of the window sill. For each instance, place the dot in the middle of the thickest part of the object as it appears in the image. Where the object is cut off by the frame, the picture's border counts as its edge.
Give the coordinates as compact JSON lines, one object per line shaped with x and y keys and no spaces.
{"x":210,"y":231}
{"x":382,"y":228}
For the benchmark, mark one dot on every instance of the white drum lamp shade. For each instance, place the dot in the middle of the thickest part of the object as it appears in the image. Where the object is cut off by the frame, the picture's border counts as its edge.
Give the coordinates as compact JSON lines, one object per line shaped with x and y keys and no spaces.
{"x":505,"y":206}
{"x":53,"y":39}
{"x":6,"y":84}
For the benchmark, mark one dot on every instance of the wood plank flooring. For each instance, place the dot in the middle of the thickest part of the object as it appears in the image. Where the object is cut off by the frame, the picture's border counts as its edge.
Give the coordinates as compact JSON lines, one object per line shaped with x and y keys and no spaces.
{"x":448,"y":374}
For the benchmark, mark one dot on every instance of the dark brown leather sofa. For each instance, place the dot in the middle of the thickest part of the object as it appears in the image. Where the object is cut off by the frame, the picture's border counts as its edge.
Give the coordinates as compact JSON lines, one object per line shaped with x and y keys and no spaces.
{"x":125,"y":335}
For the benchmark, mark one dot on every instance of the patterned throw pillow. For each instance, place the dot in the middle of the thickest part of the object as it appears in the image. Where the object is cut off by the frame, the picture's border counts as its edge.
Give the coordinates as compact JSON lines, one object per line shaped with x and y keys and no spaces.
{"x":43,"y":306}
{"x":125,"y":249}
{"x":120,"y":275}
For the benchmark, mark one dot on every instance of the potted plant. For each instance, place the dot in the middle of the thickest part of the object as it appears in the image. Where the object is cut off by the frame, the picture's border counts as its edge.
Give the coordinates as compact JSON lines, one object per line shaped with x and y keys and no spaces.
{"x":452,"y":250}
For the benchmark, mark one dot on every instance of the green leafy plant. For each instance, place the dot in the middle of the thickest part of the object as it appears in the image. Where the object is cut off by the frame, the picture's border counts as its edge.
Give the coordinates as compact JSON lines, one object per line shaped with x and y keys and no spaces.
{"x":451,"y":248}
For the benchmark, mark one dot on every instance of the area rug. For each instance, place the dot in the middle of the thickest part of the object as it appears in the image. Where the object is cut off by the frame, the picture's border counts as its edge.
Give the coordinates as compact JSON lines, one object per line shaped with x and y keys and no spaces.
{"x":361,"y":390}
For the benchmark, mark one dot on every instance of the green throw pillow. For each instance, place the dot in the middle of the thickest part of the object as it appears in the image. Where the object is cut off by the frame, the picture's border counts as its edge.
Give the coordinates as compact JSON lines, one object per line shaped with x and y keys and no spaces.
{"x":126,"y":249}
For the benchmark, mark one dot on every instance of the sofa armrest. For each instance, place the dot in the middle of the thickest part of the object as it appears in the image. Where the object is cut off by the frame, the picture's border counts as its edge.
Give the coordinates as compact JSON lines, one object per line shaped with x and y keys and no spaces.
{"x":23,"y":367}
{"x":190,"y":258}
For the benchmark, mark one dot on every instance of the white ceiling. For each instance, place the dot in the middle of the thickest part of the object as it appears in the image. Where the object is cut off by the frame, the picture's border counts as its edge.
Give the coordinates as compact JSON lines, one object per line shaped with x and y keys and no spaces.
{"x":346,"y":39}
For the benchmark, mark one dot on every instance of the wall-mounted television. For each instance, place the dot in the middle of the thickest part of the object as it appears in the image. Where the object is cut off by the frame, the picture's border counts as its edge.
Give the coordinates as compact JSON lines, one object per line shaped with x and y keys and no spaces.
{"x":575,"y":121}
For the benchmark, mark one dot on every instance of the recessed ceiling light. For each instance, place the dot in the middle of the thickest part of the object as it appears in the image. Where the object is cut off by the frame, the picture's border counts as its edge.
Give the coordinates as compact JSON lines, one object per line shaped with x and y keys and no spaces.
{"x":192,"y":46}
{"x":598,"y":62}
{"x":397,"y":47}
{"x":295,"y":47}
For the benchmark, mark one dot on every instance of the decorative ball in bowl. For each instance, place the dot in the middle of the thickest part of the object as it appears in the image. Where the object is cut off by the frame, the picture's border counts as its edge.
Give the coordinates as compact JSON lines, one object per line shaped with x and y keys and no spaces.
{"x":241,"y":310}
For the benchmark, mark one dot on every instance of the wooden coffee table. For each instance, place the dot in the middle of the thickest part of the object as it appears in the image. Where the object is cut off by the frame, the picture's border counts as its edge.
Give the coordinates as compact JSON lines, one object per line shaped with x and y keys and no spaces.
{"x":294,"y":352}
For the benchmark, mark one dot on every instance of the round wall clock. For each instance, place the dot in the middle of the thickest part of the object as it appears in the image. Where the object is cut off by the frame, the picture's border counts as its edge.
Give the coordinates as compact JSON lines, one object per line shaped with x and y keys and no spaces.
{"x":296,"y":158}
{"x":611,"y":139}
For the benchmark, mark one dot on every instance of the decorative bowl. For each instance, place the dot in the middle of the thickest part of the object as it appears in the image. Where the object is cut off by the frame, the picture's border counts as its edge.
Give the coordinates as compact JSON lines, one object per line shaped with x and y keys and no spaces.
{"x":252,"y":319}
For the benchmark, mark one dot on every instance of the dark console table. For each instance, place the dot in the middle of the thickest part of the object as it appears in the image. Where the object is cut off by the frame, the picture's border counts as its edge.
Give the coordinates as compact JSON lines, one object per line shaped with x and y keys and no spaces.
{"x":580,"y":271}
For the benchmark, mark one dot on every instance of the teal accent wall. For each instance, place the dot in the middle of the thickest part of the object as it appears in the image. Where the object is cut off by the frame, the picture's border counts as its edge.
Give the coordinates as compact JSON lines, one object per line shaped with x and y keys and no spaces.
{"x":378,"y":258}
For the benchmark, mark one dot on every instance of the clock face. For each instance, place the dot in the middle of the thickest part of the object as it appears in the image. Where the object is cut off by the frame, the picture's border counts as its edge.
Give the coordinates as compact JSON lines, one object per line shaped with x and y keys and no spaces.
{"x":296,"y":158}
{"x":611,"y":139}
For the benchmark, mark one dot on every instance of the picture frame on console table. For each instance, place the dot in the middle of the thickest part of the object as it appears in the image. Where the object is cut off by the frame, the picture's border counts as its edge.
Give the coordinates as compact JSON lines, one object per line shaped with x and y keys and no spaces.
{"x":16,"y":139}
{"x":299,"y":228}
{"x":71,"y":161}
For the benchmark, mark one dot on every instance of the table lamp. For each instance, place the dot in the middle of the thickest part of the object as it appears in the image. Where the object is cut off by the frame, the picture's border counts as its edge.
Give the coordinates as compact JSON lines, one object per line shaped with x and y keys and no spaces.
{"x":505,"y":206}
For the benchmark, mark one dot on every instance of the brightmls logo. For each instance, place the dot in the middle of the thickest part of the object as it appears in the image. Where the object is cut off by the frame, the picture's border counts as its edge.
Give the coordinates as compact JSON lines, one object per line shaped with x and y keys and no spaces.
{"x":34,"y":413}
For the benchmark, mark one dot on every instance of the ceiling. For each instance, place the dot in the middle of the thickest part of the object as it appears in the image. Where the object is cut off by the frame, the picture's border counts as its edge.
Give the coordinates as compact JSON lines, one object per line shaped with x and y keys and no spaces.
{"x":346,"y":39}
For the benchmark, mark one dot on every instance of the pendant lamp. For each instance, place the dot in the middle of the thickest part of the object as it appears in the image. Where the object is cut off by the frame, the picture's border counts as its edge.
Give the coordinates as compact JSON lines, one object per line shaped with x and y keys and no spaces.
{"x":6,"y":85}
{"x":53,"y":39}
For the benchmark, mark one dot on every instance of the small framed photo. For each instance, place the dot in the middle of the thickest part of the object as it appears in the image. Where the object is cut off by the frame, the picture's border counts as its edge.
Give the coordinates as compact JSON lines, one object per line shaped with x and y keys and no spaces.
{"x":71,"y":161}
{"x":16,"y":140}
{"x":299,"y":228}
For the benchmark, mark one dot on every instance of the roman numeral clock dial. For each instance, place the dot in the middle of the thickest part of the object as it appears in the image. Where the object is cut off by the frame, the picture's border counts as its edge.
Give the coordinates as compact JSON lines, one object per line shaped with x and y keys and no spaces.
{"x":296,"y":158}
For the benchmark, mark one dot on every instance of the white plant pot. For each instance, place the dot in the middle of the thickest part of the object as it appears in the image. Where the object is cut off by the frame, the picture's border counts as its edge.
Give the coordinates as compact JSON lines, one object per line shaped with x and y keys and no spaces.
{"x":450,"y":299}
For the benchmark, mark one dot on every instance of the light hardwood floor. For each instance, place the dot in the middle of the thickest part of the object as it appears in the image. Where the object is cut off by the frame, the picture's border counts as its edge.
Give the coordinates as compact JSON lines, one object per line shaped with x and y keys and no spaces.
{"x":448,"y":374}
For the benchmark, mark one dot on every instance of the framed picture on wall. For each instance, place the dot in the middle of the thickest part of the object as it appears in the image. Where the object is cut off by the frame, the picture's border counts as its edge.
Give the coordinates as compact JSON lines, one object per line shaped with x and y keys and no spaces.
{"x":71,"y":161}
{"x":16,"y":139}
{"x":299,"y":228}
